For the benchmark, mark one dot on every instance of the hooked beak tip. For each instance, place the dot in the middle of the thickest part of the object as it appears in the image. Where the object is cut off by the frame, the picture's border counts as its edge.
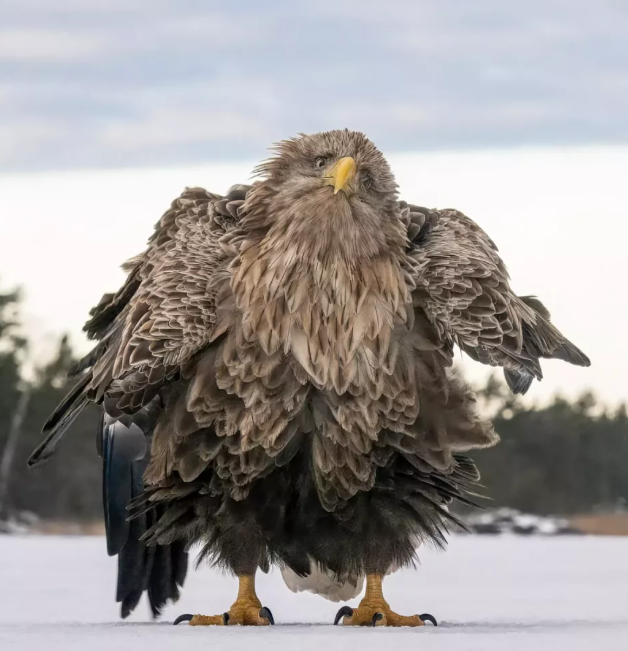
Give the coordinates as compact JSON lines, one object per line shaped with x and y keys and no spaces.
{"x":342,"y":174}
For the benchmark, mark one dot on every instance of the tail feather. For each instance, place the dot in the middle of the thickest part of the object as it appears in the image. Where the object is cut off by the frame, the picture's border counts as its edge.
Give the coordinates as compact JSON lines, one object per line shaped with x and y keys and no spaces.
{"x":164,"y":578}
{"x":133,"y":559}
{"x":323,"y":583}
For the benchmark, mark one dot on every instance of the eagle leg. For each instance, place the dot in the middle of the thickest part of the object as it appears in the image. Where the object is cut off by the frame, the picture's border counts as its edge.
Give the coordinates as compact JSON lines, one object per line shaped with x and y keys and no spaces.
{"x":373,"y":610}
{"x":247,"y":609}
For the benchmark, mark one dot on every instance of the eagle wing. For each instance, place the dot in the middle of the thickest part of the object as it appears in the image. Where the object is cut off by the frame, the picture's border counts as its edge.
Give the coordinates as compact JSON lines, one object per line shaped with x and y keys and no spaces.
{"x":462,"y":285}
{"x":164,"y":313}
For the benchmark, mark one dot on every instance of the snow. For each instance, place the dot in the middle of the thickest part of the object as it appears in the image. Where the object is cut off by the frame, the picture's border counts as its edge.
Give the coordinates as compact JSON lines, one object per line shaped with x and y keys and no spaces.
{"x":489,"y":593}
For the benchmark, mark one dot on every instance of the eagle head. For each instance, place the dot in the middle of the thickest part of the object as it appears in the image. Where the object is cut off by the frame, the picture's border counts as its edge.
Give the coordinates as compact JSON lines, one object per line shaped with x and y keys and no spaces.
{"x":332,"y":192}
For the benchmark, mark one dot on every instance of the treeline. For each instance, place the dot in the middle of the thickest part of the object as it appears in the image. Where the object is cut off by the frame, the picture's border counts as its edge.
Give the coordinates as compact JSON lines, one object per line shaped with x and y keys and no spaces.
{"x":67,"y":487}
{"x":565,"y":458}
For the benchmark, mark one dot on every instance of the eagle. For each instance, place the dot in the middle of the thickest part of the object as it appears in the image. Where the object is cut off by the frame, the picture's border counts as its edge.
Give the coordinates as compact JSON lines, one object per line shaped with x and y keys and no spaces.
{"x":277,"y":385}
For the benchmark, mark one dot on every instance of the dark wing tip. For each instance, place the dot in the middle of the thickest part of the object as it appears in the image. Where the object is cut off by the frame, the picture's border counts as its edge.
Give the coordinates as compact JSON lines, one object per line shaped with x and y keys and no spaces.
{"x":518,"y":382}
{"x":535,"y":304}
{"x":567,"y":352}
{"x":550,"y":341}
{"x":39,"y":455}
{"x":59,"y":421}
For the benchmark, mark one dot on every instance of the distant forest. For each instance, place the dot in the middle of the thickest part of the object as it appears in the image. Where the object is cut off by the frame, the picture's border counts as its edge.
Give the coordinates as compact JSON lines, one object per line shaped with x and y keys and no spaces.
{"x":564,"y":458}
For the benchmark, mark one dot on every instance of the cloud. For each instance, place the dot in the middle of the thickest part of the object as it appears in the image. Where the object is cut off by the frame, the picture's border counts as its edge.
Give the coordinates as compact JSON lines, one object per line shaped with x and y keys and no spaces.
{"x":109,"y":83}
{"x":180,"y":127}
{"x":33,"y":45}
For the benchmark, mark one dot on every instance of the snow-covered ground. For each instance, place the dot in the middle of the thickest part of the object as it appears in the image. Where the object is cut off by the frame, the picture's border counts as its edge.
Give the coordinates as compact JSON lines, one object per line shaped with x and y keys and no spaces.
{"x":504,"y":593}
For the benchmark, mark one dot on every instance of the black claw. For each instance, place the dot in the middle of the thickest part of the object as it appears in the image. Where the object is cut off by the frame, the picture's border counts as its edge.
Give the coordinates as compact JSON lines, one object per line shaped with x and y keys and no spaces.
{"x":376,"y":618}
{"x":345,"y":611}
{"x":426,"y":617}
{"x":225,"y":619}
{"x":265,"y":612}
{"x":182,"y":618}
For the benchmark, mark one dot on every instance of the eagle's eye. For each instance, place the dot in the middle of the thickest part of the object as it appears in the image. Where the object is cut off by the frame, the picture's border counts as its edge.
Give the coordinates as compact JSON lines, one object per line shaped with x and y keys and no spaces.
{"x":321,"y":161}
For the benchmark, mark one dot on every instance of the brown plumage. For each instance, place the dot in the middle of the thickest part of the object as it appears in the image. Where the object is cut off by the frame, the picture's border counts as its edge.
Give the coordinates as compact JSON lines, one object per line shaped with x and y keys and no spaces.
{"x":286,"y":349}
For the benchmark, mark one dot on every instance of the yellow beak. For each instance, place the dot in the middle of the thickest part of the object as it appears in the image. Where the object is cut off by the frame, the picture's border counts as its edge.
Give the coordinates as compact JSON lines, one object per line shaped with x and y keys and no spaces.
{"x":342,"y":174}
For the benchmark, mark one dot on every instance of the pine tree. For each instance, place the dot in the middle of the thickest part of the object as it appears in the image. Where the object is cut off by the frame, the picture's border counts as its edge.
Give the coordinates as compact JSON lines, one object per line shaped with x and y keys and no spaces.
{"x":11,"y":347}
{"x":12,"y":403}
{"x":67,"y":487}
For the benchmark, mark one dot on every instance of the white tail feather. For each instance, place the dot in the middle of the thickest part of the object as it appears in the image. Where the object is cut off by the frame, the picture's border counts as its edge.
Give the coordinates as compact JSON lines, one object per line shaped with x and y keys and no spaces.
{"x":323,"y":583}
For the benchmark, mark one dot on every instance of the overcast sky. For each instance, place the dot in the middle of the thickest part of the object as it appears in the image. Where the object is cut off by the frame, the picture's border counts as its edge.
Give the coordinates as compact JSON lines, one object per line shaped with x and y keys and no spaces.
{"x":106,"y":83}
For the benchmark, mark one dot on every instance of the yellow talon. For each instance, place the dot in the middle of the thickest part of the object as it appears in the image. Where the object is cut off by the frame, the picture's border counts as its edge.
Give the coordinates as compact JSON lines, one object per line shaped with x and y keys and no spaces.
{"x":207,"y":620}
{"x":246,"y":610}
{"x":375,"y":611}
